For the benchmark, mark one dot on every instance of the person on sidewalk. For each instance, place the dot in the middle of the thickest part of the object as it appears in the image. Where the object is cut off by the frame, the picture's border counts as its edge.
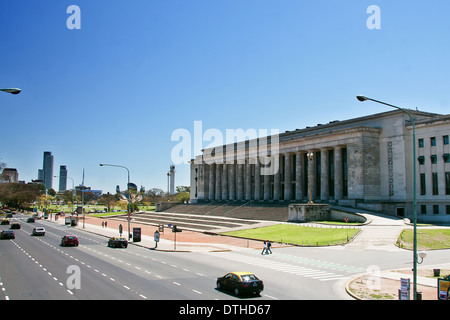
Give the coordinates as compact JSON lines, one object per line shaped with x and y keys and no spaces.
{"x":268,"y":247}
{"x":265,"y":248}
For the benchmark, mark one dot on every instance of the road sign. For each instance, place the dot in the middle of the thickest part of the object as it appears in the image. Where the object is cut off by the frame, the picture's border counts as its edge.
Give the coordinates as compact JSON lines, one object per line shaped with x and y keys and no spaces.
{"x":346,"y":219}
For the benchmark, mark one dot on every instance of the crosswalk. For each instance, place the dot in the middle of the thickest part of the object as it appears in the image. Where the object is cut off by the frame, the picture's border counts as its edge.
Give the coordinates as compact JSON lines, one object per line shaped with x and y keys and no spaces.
{"x":319,"y":270}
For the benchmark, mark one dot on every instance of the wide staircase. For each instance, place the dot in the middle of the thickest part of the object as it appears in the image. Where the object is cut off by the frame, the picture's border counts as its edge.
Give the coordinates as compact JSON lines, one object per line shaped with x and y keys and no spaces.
{"x":240,"y":210}
{"x":212,"y":217}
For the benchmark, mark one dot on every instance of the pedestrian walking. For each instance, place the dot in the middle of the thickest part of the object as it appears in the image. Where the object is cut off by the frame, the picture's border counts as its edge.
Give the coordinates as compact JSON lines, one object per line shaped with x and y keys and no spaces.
{"x":106,"y":224}
{"x":265,"y":248}
{"x":268,"y":247}
{"x":103,"y":224}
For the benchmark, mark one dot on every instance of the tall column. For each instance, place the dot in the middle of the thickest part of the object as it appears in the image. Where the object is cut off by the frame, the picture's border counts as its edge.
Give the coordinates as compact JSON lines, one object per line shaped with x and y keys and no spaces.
{"x":267,"y":184}
{"x":338,"y":174}
{"x":299,"y":192}
{"x":212,"y":181}
{"x":240,"y":182}
{"x":218,"y":181}
{"x":324,"y":172}
{"x":248,"y":180}
{"x":232,"y":181}
{"x":287,"y":177}
{"x":312,"y":175}
{"x":277,"y":183}
{"x":225,"y":181}
{"x":257,"y":180}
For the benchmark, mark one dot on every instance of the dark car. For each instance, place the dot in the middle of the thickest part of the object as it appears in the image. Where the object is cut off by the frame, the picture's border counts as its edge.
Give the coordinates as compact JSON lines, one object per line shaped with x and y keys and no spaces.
{"x":240,"y":282}
{"x":5,"y":221}
{"x":30,"y":220}
{"x":69,"y":241}
{"x":117,"y":242}
{"x":7,"y":234}
{"x":15,"y":225}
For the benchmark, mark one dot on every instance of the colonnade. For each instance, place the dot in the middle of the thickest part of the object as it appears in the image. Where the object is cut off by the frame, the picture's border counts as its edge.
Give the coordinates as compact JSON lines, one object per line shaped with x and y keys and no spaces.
{"x":246,"y":179}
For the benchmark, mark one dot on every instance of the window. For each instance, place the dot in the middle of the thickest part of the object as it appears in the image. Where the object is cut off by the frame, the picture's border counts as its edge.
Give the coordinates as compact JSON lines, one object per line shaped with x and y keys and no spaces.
{"x":423,"y":209}
{"x":445,"y":139}
{"x":421,"y":160}
{"x":447,"y":183}
{"x":420,"y":143}
{"x":435,"y":209}
{"x":435,"y":183}
{"x":433,"y":159}
{"x":446,"y":157}
{"x":423,"y":185}
{"x":433,"y":141}
{"x":447,"y":209}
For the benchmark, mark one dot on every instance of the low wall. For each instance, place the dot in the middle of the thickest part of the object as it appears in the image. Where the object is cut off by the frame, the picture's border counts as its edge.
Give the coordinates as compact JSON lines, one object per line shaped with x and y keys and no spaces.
{"x":308,"y":212}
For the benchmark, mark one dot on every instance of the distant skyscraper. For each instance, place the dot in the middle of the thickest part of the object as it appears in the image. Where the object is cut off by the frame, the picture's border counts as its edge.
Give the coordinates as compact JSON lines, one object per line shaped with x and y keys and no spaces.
{"x":62,"y":178}
{"x":48,"y":170}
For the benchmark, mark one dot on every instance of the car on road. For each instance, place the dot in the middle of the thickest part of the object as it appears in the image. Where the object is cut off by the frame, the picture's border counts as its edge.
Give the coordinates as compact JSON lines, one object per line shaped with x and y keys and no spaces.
{"x":240,"y":282}
{"x":39,"y":231}
{"x":15,"y":225}
{"x":69,"y":240}
{"x":5,"y":221}
{"x":30,"y":220}
{"x":115,"y":242}
{"x":7,"y":234}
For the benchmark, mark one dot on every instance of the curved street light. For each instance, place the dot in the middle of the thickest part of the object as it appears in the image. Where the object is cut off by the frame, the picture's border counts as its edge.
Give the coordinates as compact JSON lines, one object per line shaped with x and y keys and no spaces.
{"x":11,"y":90}
{"x":362,"y":99}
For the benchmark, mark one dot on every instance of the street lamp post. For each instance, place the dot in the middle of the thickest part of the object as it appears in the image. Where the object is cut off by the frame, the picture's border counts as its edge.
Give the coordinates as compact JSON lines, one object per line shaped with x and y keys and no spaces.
{"x":11,"y":90}
{"x":129,"y":196}
{"x":364,"y":98}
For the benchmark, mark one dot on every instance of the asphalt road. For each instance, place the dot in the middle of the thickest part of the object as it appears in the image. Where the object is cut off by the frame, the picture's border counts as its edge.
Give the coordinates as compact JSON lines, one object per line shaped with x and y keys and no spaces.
{"x":38,"y":267}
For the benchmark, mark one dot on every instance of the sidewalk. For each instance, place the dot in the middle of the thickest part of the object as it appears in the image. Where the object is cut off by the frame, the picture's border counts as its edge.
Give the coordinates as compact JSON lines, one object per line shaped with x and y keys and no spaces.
{"x":186,"y":241}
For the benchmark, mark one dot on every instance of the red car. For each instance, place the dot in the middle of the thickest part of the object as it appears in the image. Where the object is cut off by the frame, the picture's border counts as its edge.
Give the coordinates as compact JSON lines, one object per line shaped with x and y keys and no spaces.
{"x":69,"y":241}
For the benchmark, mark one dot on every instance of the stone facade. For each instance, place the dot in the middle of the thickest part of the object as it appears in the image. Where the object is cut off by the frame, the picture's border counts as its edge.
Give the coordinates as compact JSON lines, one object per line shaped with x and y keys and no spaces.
{"x":364,"y":162}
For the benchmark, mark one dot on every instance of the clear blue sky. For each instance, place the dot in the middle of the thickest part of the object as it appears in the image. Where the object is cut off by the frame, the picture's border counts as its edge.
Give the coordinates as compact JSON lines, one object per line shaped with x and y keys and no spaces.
{"x":115,"y":90}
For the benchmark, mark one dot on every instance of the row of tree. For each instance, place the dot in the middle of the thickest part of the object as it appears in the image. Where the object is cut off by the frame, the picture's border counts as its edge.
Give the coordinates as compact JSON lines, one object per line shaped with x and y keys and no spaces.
{"x":23,"y":196}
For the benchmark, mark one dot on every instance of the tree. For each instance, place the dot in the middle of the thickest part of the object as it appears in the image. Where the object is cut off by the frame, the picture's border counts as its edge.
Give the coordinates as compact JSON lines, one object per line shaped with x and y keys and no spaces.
{"x":109,"y":200}
{"x":20,"y":195}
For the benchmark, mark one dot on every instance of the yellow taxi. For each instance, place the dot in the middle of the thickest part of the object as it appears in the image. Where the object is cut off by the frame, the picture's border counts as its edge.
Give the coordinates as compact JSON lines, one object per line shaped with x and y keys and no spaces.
{"x":240,"y":282}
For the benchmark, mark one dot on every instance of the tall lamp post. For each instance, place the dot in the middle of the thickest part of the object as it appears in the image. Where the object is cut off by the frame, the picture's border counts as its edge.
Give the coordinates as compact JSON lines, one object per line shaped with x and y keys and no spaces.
{"x":364,"y":98}
{"x":128,"y":188}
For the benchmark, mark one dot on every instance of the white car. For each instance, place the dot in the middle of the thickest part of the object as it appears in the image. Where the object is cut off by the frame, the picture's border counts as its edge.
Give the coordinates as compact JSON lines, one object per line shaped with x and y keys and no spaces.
{"x":39,"y":231}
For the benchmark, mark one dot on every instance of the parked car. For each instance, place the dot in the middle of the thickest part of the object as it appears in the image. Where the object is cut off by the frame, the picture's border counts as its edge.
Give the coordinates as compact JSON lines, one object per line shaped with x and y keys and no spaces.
{"x":39,"y":231}
{"x":69,"y":240}
{"x":7,"y":234}
{"x":15,"y":225}
{"x":117,"y":242}
{"x":240,"y":282}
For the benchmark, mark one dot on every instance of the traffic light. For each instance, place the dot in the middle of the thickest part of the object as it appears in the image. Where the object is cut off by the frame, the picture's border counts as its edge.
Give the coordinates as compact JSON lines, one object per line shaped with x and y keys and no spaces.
{"x":175,"y":229}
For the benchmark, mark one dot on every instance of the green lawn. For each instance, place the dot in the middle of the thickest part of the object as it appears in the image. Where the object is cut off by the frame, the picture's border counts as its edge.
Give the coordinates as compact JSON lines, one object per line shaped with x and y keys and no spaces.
{"x":427,"y":239}
{"x":287,"y":233}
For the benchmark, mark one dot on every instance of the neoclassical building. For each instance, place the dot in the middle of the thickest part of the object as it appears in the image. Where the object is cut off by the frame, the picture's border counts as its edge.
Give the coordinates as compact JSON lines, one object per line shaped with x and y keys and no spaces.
{"x":365,"y":162}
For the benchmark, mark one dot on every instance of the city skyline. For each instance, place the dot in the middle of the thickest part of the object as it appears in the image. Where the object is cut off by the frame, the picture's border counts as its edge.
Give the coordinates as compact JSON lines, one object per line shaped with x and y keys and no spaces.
{"x":115,"y":89}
